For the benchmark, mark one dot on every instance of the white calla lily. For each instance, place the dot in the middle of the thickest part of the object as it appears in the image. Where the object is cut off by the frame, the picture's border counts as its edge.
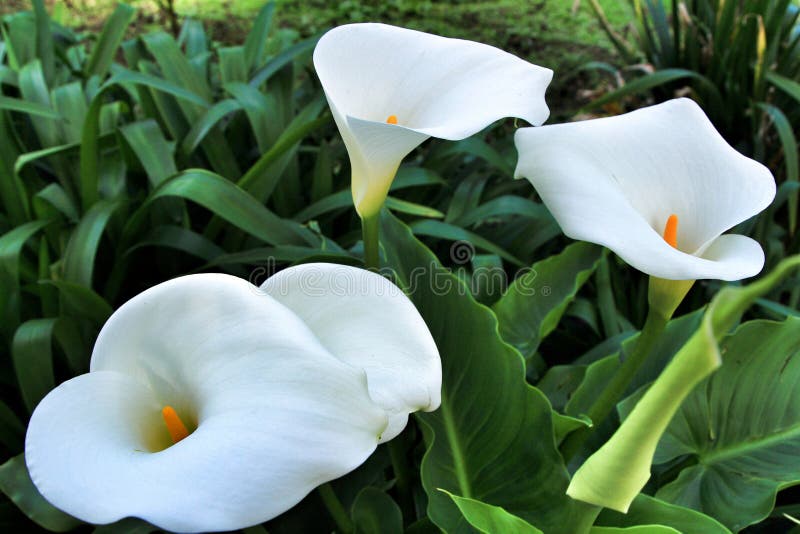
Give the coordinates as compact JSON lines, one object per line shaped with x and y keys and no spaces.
{"x":391,"y":88}
{"x":210,"y":405}
{"x":330,"y":298}
{"x":617,"y":181}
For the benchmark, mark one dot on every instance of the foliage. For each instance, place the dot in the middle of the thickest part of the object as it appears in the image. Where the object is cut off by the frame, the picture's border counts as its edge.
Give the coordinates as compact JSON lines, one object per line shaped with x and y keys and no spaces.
{"x":127,"y":162}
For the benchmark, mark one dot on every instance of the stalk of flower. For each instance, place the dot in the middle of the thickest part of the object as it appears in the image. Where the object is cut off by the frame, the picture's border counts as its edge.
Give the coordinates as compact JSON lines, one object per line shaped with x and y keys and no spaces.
{"x":614,"y":475}
{"x":213,"y":405}
{"x":658,"y":186}
{"x":390,"y":88}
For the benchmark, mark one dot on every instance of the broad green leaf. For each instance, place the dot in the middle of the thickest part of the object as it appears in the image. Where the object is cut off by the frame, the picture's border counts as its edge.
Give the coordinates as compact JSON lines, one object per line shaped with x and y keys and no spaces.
{"x":16,"y":483}
{"x":596,"y":376}
{"x":110,"y":38}
{"x":32,"y":353}
{"x":743,"y":425}
{"x":490,"y":519}
{"x":614,"y":475}
{"x":490,"y":421}
{"x":230,"y":203}
{"x":374,"y":512}
{"x":649,"y":510}
{"x":535,"y":302}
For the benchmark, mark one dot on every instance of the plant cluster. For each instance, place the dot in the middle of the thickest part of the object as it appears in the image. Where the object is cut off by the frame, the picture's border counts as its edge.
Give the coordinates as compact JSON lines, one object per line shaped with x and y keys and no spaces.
{"x":551,"y":388}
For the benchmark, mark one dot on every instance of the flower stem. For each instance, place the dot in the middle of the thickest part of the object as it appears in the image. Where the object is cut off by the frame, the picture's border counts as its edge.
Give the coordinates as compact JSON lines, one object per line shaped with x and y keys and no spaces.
{"x":583,"y":517}
{"x":370,"y":227}
{"x":335,"y":508}
{"x":653,"y":327}
{"x":605,"y":297}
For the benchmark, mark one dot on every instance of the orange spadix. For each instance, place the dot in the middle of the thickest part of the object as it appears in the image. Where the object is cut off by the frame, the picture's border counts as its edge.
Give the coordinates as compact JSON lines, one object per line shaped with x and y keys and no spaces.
{"x":671,"y":231}
{"x":174,"y":424}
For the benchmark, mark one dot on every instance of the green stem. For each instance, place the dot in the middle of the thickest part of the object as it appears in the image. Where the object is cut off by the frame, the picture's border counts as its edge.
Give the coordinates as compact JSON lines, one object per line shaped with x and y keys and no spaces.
{"x":335,"y":508}
{"x":583,"y":517}
{"x":370,"y":227}
{"x":619,"y":383}
{"x":605,"y":297}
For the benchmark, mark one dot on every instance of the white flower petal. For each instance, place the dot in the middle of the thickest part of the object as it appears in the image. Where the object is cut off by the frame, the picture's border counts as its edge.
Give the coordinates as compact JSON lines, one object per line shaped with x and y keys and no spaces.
{"x":276,"y":413}
{"x":435,"y":86}
{"x":615,"y":181}
{"x":368,"y":322}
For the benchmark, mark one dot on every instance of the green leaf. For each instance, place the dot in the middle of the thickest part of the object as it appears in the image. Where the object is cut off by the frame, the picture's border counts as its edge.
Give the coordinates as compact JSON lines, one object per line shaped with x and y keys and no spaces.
{"x":16,"y":483}
{"x":256,"y":42}
{"x":411,"y":208}
{"x":110,"y":38}
{"x":32,"y":353}
{"x":374,"y":512}
{"x":202,"y":127}
{"x":262,"y":178}
{"x":490,"y":421}
{"x":151,"y":148}
{"x":614,"y":475}
{"x":649,"y":510}
{"x":490,"y":519}
{"x":790,"y":156}
{"x":535,"y":302}
{"x":655,"y":79}
{"x":229,"y":202}
{"x":29,"y":107}
{"x":81,"y":251}
{"x":81,"y":301}
{"x":638,"y":529}
{"x":283,"y":59}
{"x":44,"y":40}
{"x":450,"y":232}
{"x":743,"y":425}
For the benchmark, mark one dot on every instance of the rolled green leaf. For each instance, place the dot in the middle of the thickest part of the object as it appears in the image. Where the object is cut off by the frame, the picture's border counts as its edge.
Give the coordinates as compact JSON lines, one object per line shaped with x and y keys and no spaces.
{"x":614,"y":475}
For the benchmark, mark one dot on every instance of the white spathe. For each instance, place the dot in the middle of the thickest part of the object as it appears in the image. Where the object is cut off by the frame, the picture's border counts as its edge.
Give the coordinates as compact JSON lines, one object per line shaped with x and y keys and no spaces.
{"x":328,"y":299}
{"x":615,"y":181}
{"x":434,"y":86}
{"x":275,"y":410}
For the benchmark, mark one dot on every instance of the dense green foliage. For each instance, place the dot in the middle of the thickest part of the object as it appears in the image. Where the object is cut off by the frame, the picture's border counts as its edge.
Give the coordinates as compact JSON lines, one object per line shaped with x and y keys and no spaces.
{"x":127,"y":162}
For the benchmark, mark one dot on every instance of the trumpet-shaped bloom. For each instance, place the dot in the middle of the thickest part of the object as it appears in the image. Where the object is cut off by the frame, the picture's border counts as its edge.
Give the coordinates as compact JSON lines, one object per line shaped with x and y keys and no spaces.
{"x":390,"y":88}
{"x":210,"y":405}
{"x":658,"y":186}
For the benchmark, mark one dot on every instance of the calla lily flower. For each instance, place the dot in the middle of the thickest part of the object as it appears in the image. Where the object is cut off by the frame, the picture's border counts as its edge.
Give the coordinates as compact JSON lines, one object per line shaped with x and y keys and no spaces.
{"x":658,"y":186}
{"x":214,"y":405}
{"x":390,"y":88}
